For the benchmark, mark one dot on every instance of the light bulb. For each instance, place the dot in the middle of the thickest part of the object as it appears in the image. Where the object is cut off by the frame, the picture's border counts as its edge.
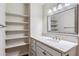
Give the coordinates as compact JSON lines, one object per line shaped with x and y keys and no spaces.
{"x":67,"y":4}
{"x":49,"y":12}
{"x":54,"y":9}
{"x":59,"y":6}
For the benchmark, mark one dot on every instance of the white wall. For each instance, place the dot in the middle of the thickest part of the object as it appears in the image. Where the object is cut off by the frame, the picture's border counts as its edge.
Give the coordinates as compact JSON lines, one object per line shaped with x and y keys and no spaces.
{"x":44,"y":28}
{"x":45,"y":14}
{"x":36,"y":20}
{"x":2,"y":30}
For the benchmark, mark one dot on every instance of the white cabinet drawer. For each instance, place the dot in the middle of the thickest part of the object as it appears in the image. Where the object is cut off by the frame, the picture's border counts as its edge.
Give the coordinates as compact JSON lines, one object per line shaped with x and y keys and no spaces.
{"x":51,"y":51}
{"x":41,"y":52}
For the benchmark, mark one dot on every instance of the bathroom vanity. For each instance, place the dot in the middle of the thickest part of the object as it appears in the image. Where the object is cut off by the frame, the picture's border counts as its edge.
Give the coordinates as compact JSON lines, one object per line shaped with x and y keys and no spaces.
{"x":62,"y":22}
{"x":48,"y":47}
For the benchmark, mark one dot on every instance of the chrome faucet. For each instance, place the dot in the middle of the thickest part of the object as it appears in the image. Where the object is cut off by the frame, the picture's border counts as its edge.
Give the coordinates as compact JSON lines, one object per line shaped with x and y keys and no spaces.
{"x":57,"y":38}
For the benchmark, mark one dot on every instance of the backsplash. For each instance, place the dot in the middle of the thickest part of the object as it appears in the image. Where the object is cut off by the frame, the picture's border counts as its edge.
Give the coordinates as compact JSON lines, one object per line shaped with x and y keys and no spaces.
{"x":70,"y":38}
{"x":67,"y":37}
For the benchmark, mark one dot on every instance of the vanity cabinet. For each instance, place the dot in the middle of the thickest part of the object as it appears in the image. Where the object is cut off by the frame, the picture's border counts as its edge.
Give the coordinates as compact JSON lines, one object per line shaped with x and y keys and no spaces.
{"x":49,"y":50}
{"x":37,"y":50}
{"x":72,"y":52}
{"x":33,"y":53}
{"x":41,"y":52}
{"x":33,"y":47}
{"x":40,"y":49}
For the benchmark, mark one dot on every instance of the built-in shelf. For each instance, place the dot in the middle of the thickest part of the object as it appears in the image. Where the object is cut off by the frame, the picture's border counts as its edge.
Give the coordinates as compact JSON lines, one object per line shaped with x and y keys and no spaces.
{"x":19,"y":37}
{"x":23,"y":53}
{"x":16,"y":53}
{"x":8,"y":22}
{"x":53,"y":25}
{"x":12,"y":45}
{"x":13,"y":14}
{"x":54,"y":29}
{"x":13,"y":53}
{"x":54,"y":21}
{"x":17,"y":30}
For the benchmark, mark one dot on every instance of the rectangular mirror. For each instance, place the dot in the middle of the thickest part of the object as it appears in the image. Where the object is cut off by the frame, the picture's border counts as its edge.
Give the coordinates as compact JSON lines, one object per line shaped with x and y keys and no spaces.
{"x":63,"y":21}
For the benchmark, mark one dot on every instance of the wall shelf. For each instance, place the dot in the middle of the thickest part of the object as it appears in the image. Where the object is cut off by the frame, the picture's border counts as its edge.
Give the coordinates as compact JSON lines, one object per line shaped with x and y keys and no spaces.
{"x":54,"y":25}
{"x":13,"y":14}
{"x":54,"y":21}
{"x":15,"y":45}
{"x":17,"y":30}
{"x":13,"y":53}
{"x":20,"y":37}
{"x":16,"y":53}
{"x":8,"y":22}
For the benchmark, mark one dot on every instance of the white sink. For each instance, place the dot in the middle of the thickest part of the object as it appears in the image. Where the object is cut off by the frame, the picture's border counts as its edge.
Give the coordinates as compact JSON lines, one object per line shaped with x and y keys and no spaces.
{"x":59,"y":44}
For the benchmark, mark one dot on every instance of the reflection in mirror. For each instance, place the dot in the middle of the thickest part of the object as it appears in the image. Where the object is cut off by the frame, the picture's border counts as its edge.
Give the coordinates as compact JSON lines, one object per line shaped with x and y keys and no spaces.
{"x":62,"y":20}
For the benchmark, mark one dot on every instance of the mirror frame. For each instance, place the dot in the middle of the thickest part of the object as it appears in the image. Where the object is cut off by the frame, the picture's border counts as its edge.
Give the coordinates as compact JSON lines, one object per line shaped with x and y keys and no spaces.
{"x":76,"y":21}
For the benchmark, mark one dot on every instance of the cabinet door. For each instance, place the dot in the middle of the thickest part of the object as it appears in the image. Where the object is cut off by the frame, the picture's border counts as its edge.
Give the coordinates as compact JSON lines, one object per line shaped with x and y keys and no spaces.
{"x":33,"y":53}
{"x":48,"y":49}
{"x":33,"y":47}
{"x":2,"y":14}
{"x":72,"y":52}
{"x":41,"y":52}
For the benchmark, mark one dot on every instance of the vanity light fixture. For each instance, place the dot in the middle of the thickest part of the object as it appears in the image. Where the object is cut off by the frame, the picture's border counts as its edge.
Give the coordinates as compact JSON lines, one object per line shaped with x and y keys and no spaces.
{"x":67,"y":4}
{"x":59,"y":6}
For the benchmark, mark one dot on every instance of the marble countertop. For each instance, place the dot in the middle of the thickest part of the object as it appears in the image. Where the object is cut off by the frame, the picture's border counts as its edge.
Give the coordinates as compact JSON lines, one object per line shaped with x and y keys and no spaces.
{"x":62,"y":45}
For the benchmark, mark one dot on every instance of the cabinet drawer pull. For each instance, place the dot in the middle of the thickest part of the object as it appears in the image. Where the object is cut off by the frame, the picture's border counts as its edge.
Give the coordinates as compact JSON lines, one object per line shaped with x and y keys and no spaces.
{"x":44,"y":53}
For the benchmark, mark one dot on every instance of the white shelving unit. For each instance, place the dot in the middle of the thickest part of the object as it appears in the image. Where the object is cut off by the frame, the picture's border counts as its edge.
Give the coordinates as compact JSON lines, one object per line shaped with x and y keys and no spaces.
{"x":15,"y":45}
{"x":17,"y":20}
{"x":20,"y":37}
{"x":8,"y":22}
{"x":14,"y":53}
{"x":18,"y":15}
{"x":16,"y":30}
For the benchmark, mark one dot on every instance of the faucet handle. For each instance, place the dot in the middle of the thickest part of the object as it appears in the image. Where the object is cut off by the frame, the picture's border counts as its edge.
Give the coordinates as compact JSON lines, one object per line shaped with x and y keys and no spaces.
{"x":57,"y":37}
